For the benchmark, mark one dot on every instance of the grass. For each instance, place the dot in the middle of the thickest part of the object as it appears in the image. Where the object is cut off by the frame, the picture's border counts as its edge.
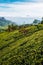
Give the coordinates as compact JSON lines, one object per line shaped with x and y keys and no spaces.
{"x":19,"y":49}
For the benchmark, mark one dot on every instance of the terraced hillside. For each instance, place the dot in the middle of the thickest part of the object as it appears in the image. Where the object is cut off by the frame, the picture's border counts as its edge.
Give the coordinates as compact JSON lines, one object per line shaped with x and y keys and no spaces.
{"x":22,"y":49}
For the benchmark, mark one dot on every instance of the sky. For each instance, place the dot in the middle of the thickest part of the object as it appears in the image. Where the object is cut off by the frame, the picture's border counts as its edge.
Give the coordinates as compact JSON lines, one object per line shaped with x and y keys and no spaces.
{"x":21,"y":8}
{"x":3,"y":1}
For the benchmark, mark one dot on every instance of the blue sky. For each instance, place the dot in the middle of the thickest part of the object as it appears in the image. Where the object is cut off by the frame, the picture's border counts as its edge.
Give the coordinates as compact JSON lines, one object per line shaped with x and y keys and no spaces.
{"x":3,"y":1}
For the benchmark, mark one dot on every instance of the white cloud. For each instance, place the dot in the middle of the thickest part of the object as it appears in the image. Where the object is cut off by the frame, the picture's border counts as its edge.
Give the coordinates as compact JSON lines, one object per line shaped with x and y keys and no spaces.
{"x":38,"y":0}
{"x":21,"y":10}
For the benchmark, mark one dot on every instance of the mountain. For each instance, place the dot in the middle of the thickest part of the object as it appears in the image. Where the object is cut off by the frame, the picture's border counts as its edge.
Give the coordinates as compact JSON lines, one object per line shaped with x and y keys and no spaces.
{"x":5,"y":22}
{"x":22,"y":49}
{"x":36,"y":21}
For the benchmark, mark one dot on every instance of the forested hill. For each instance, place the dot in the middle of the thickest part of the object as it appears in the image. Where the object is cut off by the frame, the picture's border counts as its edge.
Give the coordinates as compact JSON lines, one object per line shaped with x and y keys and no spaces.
{"x":5,"y":22}
{"x":19,"y":48}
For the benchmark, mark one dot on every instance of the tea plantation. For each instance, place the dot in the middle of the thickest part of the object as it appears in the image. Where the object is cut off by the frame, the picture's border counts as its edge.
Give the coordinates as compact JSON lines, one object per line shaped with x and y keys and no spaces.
{"x":17,"y":48}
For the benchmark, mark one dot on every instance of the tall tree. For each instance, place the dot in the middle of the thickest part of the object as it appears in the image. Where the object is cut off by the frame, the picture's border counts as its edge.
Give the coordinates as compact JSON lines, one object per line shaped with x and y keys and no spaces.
{"x":42,"y":21}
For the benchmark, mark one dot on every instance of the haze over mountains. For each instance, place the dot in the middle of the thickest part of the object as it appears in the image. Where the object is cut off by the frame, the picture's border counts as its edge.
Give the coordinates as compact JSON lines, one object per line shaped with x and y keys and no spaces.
{"x":23,"y":20}
{"x":16,"y":20}
{"x":5,"y":22}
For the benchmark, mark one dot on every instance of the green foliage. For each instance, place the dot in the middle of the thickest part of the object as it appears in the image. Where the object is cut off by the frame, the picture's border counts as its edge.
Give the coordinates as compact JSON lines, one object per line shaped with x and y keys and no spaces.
{"x":11,"y":28}
{"x":35,"y":22}
{"x":19,"y":49}
{"x":42,"y":21}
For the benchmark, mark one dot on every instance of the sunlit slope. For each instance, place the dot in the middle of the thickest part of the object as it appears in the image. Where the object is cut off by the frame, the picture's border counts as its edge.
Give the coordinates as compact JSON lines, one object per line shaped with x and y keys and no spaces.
{"x":19,"y":49}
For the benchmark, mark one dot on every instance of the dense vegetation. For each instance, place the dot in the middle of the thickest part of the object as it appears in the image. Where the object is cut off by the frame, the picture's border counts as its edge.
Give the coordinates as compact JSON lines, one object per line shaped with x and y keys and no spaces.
{"x":22,"y":46}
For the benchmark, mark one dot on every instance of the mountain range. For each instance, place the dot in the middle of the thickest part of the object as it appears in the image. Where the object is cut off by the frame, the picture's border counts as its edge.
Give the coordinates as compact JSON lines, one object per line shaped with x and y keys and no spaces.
{"x":5,"y":22}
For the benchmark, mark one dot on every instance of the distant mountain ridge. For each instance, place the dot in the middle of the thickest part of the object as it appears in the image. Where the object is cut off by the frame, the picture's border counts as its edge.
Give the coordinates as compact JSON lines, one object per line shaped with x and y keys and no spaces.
{"x":18,"y":21}
{"x":36,"y":21}
{"x":5,"y":22}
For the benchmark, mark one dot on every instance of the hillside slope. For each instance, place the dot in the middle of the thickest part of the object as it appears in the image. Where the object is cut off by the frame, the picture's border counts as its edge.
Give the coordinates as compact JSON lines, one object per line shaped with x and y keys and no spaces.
{"x":19,"y":49}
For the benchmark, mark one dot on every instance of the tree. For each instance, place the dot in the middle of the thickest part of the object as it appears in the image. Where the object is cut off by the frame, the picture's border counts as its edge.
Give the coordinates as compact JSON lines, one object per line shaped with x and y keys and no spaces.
{"x":35,"y":22}
{"x":12,"y":26}
{"x":42,"y":21}
{"x":9,"y":28}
